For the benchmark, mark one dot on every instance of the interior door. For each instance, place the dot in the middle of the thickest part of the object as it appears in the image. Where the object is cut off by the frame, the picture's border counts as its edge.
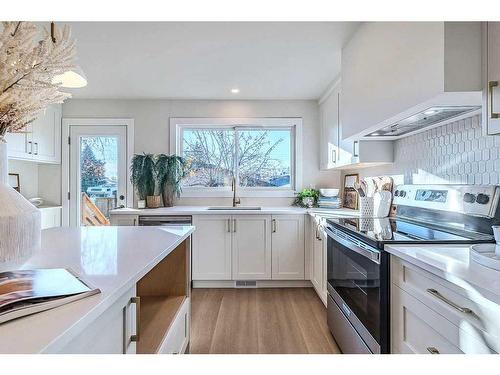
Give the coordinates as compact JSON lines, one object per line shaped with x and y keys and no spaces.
{"x":97,"y":173}
{"x":251,"y":247}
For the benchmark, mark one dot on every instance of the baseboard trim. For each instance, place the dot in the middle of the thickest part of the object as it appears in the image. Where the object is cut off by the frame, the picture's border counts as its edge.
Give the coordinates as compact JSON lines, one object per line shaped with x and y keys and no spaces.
{"x":260,"y":284}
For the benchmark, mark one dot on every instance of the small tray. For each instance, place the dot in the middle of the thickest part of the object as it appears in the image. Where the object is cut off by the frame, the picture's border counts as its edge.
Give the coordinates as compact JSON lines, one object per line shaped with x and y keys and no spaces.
{"x":487,"y":254}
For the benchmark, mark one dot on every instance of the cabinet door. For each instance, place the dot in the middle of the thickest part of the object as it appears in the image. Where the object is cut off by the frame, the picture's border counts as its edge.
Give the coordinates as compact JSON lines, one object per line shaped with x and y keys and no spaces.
{"x":47,"y":136}
{"x":491,"y":97}
{"x":50,"y":217}
{"x":111,"y":332}
{"x":317,"y":261}
{"x":124,"y":220}
{"x":18,"y":146}
{"x":329,"y":134}
{"x":212,"y":247}
{"x":287,"y":243}
{"x":177,"y":338}
{"x":251,"y":247}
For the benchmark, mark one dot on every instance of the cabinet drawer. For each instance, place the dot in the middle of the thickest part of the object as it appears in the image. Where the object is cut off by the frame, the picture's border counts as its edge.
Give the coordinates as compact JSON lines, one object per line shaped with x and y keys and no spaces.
{"x":177,"y":337}
{"x":472,"y":312}
{"x":418,"y":329}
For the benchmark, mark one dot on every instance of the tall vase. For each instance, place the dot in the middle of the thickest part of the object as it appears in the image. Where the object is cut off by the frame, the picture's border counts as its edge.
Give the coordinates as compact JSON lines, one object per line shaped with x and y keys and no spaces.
{"x":20,"y":222}
{"x":168,"y":195}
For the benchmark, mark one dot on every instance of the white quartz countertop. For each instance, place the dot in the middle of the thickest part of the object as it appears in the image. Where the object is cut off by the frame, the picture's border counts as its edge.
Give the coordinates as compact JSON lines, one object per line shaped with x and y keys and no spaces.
{"x":112,"y":259}
{"x":452,"y":263}
{"x":203,"y":210}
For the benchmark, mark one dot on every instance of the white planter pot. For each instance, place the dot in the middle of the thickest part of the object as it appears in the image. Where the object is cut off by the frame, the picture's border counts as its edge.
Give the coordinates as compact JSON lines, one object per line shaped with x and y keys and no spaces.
{"x":20,"y":221}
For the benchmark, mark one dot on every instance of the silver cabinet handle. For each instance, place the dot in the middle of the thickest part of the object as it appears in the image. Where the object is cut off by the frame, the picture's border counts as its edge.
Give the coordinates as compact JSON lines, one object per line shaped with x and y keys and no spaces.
{"x":234,"y":225}
{"x":491,"y":85}
{"x":31,"y":147}
{"x":432,"y":350}
{"x":137,"y":301}
{"x":334,"y":156}
{"x":135,"y":222}
{"x":229,"y":225}
{"x":439,"y":296}
{"x":36,"y":149}
{"x":274,"y":225}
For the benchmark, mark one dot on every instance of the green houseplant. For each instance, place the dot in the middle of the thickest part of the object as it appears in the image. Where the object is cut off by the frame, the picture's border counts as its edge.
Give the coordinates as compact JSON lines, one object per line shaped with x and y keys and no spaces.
{"x":170,"y":170}
{"x":143,"y":177}
{"x":307,"y":198}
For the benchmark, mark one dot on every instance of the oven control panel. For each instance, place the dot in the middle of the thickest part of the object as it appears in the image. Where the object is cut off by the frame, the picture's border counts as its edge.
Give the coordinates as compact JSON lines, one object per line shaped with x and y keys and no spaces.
{"x":478,"y":200}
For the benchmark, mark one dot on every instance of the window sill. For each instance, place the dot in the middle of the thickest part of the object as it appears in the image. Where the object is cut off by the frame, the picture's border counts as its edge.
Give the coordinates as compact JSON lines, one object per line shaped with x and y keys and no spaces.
{"x":241,"y":194}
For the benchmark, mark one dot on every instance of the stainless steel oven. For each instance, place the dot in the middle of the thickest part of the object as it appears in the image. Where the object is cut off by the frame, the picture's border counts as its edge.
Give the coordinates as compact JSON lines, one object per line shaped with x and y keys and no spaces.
{"x":358,"y":293}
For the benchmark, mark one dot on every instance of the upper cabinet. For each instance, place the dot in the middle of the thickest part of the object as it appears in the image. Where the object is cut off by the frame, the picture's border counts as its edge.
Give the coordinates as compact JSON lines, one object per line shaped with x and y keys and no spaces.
{"x":329,"y":127}
{"x":491,"y":77}
{"x":339,"y":153}
{"x":41,"y":142}
{"x":393,"y":71}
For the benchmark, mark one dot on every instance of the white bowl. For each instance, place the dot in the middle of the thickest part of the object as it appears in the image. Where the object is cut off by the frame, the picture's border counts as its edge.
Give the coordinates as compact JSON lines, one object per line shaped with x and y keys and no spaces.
{"x":329,"y":192}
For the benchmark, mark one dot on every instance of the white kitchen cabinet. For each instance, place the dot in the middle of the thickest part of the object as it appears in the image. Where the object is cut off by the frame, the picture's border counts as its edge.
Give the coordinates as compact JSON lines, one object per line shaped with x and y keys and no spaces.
{"x":251,"y":244}
{"x":392,"y":70}
{"x":112,"y":332}
{"x":318,"y":259}
{"x":491,"y":77}
{"x":212,"y":250}
{"x":287,"y":243}
{"x":41,"y":141}
{"x":329,"y":131}
{"x":431,"y":315}
{"x":50,"y":217}
{"x":124,"y":220}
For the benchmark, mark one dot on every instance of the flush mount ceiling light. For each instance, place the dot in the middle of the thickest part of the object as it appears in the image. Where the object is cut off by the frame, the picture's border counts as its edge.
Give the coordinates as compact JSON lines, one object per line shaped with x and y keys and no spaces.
{"x":72,"y":79}
{"x":235,"y":91}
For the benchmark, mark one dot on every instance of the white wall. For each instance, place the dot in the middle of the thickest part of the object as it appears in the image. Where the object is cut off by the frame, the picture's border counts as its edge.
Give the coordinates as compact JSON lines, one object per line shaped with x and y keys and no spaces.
{"x":152,"y":129}
{"x":455,"y":153}
{"x":28,"y":176}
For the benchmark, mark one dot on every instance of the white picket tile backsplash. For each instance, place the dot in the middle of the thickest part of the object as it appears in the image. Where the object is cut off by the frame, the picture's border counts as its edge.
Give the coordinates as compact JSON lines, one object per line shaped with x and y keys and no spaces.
{"x":456,"y":153}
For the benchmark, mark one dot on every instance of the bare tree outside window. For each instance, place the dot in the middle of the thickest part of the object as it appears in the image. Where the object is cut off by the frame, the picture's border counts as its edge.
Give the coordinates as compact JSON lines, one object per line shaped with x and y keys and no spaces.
{"x":261,"y":159}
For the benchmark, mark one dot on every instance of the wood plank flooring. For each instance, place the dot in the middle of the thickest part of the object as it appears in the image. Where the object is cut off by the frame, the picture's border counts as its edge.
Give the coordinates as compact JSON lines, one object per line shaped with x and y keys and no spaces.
{"x":274,"y":321}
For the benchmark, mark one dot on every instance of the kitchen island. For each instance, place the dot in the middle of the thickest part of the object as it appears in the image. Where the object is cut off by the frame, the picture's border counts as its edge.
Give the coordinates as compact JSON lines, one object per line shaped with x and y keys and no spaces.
{"x":144,"y":277}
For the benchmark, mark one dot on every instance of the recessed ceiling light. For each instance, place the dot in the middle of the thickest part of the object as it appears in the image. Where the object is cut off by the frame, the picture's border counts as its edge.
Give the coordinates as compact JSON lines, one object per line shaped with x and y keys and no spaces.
{"x":430,"y":112}
{"x":235,"y":91}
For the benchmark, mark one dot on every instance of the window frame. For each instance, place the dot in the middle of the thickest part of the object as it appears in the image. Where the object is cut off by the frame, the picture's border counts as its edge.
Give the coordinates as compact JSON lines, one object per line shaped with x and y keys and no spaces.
{"x":178,"y":124}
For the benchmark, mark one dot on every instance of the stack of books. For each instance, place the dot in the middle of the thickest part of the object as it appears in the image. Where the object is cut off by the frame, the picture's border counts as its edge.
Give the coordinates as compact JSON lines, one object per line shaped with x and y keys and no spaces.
{"x":329,"y":202}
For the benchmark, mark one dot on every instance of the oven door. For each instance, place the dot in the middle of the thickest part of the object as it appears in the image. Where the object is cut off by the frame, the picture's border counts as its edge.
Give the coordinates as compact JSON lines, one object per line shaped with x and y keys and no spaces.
{"x":357,"y":284}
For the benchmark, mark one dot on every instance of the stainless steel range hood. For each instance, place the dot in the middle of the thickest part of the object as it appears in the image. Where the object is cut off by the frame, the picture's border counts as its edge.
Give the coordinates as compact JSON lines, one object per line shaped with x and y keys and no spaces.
{"x":430,"y":117}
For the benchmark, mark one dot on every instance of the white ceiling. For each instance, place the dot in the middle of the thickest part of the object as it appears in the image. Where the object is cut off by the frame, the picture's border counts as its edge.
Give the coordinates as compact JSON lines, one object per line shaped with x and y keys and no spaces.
{"x":204,"y":60}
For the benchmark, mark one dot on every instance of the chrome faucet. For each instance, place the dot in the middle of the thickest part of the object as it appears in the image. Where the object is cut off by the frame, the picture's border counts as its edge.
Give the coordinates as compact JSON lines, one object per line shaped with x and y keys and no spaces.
{"x":236,"y":201}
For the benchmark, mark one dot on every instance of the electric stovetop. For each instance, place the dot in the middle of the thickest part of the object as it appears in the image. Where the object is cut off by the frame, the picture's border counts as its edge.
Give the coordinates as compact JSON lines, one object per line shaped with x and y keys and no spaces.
{"x":380,"y":231}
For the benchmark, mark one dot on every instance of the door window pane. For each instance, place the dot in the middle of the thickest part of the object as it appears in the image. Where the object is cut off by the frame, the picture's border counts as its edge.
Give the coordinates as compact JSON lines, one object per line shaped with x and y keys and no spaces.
{"x":210,"y":153}
{"x":264,"y":158}
{"x":98,"y":178}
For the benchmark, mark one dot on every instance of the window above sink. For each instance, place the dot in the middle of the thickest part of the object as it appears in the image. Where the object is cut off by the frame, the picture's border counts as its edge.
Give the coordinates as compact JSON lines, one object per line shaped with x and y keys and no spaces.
{"x":263,"y":154}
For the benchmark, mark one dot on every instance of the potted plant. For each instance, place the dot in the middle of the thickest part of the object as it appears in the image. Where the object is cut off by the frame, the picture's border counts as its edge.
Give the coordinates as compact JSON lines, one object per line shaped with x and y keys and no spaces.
{"x":143,"y":177}
{"x":307,"y":198}
{"x":170,"y":169}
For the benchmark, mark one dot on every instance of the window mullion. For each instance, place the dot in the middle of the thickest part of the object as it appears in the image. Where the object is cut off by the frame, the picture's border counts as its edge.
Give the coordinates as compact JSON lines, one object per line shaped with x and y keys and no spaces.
{"x":236,"y":167}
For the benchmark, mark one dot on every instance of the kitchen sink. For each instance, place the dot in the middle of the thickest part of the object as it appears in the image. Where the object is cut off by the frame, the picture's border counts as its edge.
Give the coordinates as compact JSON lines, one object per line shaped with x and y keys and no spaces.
{"x":230,"y":208}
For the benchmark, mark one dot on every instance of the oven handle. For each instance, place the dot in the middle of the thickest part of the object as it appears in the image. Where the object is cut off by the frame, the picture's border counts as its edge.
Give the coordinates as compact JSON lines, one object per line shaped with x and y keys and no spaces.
{"x":345,"y":240}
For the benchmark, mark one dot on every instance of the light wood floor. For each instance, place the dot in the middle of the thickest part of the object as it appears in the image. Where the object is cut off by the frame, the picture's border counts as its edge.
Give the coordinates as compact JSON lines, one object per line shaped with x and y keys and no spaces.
{"x":291,"y":320}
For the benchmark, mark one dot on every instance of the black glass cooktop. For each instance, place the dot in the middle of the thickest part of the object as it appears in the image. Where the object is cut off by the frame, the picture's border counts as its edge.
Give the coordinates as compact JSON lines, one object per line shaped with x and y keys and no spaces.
{"x":394,"y":230}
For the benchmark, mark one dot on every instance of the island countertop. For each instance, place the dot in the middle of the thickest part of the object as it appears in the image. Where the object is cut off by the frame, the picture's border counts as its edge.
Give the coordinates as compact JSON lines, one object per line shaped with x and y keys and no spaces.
{"x":112,"y":259}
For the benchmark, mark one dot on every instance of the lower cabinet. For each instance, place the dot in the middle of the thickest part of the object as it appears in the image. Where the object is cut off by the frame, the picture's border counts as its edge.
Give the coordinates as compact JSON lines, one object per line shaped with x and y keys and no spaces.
{"x":124,"y":220}
{"x":248,"y":247}
{"x":430,"y":315}
{"x":251,"y":244}
{"x":112,"y":332}
{"x":287,"y":242}
{"x":50,"y":217}
{"x":177,"y":339}
{"x":318,"y":258}
{"x":212,"y":247}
